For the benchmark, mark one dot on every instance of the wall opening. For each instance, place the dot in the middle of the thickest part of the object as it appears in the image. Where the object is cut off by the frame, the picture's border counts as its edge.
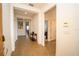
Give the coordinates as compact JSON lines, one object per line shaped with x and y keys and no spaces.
{"x":50,"y":30}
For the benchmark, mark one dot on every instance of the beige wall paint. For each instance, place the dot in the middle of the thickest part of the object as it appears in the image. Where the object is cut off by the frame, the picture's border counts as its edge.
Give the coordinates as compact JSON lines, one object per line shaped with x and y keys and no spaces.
{"x":67,"y":42}
{"x":50,"y":16}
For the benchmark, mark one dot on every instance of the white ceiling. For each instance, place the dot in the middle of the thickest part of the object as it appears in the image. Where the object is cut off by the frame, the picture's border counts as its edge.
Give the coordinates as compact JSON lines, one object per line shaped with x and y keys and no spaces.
{"x":40,"y":5}
{"x":22,"y":12}
{"x":37,"y":5}
{"x":30,"y":13}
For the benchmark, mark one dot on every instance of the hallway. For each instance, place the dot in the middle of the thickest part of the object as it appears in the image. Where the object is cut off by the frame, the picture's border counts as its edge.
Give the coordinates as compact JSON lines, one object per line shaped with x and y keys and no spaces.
{"x":26,"y":47}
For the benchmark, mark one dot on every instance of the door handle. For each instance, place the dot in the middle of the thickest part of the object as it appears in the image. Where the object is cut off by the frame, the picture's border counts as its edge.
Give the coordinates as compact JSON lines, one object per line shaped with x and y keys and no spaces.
{"x":3,"y":38}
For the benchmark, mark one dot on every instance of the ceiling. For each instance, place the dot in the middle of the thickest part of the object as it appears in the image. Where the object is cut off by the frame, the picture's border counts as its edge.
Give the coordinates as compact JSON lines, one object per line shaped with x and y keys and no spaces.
{"x":30,"y":13}
{"x":23,"y":12}
{"x":39,"y":5}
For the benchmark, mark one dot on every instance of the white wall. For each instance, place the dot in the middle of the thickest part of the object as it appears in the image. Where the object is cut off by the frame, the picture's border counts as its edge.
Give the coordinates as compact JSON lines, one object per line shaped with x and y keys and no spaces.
{"x":67,"y":42}
{"x":15,"y":28}
{"x":34,"y":24}
{"x":37,"y":25}
{"x":7,"y":30}
{"x":41,"y":19}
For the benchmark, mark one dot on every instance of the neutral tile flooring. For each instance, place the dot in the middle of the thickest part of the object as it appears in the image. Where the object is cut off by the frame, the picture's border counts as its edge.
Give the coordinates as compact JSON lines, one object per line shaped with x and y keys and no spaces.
{"x":26,"y":47}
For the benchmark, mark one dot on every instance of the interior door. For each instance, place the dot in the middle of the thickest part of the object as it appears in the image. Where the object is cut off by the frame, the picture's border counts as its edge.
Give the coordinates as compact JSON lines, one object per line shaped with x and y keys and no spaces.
{"x":1,"y":39}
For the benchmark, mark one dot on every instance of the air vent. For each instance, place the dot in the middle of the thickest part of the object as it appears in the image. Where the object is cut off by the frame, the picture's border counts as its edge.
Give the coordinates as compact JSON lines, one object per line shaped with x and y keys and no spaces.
{"x":31,"y":5}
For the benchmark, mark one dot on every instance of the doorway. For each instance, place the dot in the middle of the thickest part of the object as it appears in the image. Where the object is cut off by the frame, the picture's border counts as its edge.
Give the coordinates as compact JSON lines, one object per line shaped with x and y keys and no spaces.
{"x":50,"y":30}
{"x":27,"y":29}
{"x":46,"y":30}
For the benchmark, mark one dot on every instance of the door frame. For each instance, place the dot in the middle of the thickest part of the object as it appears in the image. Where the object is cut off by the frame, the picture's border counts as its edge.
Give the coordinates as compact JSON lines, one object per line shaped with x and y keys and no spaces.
{"x":1,"y":32}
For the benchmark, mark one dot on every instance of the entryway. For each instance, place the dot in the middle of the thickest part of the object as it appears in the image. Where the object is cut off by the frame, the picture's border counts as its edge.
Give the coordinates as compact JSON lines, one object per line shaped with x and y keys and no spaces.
{"x":25,"y":46}
{"x":27,"y":29}
{"x":50,"y":30}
